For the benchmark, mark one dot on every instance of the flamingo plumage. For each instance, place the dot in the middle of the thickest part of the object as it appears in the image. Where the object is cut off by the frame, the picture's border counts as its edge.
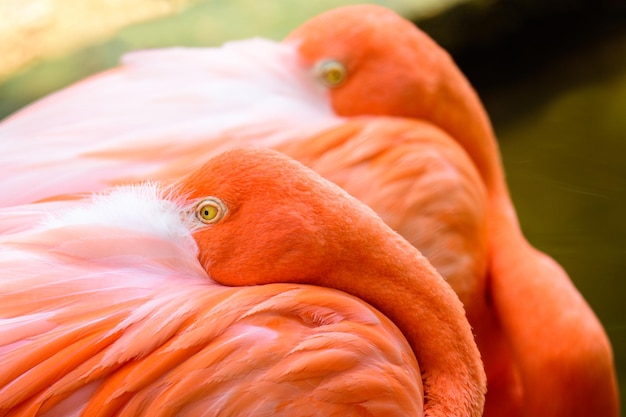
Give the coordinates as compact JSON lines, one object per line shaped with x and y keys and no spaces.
{"x":112,"y":305}
{"x":556,"y":373}
{"x":164,"y":111}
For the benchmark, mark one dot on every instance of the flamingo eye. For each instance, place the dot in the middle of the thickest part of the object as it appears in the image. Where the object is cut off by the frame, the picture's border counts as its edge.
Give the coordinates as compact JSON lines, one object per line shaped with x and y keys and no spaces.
{"x":211,"y":210}
{"x":331,"y":73}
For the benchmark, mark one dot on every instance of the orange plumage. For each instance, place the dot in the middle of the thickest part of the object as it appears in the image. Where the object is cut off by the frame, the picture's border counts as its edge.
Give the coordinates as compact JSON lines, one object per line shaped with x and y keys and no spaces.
{"x":108,"y":312}
{"x":435,"y":175}
{"x":544,"y":349}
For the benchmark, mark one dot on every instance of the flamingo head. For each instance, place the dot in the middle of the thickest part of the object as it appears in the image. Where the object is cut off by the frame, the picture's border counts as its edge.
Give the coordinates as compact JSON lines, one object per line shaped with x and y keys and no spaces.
{"x":374,"y":62}
{"x":264,"y":217}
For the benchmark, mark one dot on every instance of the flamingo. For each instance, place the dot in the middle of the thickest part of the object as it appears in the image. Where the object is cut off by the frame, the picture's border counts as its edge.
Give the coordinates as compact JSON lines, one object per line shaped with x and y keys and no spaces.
{"x":561,"y":361}
{"x":113,"y":305}
{"x":355,"y":93}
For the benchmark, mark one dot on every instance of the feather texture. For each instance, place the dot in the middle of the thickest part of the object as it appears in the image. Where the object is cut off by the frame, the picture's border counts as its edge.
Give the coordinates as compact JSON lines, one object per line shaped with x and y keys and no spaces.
{"x":187,"y":105}
{"x":437,"y":177}
{"x":107,"y":314}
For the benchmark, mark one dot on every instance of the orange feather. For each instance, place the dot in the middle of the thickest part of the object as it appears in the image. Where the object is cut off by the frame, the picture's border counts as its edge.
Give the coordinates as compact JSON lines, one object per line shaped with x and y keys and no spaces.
{"x":436,"y":178}
{"x":555,"y":359}
{"x":110,"y":315}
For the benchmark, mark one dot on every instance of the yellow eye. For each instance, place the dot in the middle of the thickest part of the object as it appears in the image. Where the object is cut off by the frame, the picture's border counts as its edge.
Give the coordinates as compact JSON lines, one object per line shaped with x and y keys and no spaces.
{"x":211,"y":210}
{"x":331,"y":73}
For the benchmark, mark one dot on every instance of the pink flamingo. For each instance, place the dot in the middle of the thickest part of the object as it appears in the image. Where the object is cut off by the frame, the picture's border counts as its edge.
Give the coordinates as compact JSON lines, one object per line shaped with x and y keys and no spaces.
{"x":107,"y":310}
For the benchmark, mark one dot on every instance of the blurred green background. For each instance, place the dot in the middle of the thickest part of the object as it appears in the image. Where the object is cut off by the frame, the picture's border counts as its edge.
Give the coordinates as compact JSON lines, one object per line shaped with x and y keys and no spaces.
{"x":552,"y":75}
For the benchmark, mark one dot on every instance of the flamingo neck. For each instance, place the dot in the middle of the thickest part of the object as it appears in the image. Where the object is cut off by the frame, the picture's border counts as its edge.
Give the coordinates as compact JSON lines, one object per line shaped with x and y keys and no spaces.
{"x":461,"y":113}
{"x":394,"y":277}
{"x":456,"y":108}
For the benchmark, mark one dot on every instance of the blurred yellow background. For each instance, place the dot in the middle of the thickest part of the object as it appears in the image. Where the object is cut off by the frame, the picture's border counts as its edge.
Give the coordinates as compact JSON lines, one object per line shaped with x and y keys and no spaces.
{"x":38,"y":29}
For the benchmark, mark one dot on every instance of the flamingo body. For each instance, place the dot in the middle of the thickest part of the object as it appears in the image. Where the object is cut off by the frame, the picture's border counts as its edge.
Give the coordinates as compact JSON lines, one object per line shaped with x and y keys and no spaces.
{"x":91,"y":136}
{"x":105,"y":310}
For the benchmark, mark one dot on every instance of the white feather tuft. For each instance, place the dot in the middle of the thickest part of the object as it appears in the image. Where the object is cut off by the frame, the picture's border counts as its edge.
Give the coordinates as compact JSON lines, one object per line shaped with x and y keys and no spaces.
{"x":147,"y":208}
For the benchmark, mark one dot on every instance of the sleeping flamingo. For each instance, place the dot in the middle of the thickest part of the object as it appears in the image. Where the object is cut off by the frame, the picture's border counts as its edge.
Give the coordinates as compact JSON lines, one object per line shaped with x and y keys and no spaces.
{"x":165,"y":111}
{"x":113,"y":306}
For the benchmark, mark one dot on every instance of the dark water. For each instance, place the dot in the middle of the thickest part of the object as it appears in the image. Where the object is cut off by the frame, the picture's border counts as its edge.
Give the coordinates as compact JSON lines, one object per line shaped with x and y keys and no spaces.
{"x":557,"y":97}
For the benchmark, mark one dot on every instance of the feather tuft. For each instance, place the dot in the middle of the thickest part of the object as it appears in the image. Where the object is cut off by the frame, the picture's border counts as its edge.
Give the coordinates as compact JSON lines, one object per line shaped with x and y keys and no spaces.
{"x":148,"y":208}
